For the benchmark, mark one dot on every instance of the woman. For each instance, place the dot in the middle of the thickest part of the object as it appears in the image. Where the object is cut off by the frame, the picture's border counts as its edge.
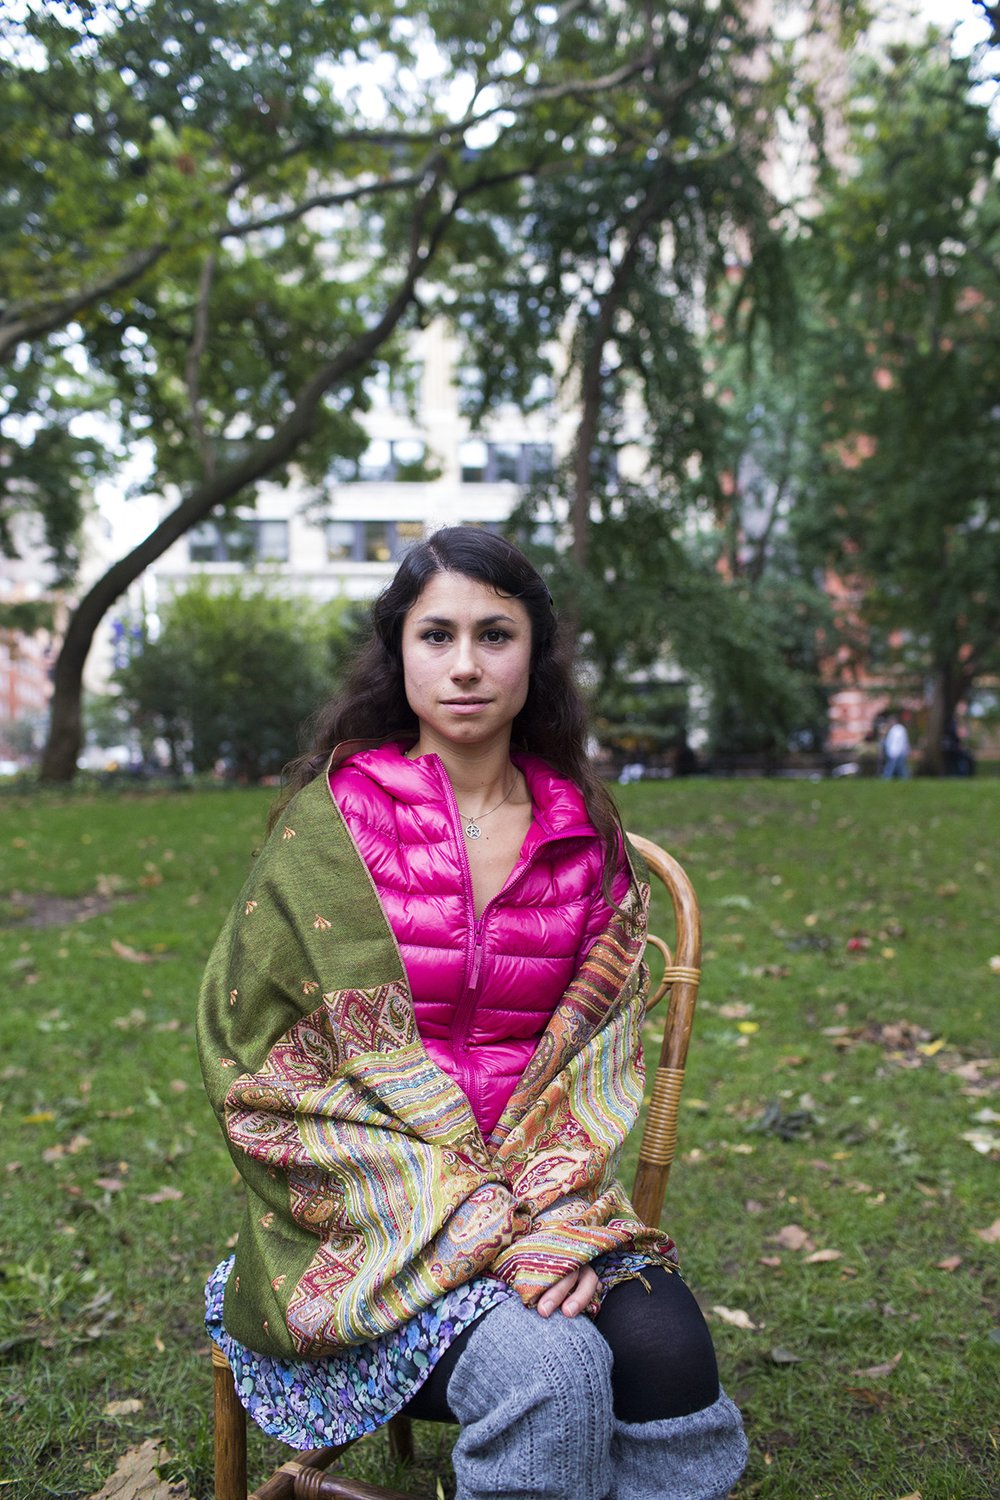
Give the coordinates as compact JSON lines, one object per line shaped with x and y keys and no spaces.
{"x":420,"y":1030}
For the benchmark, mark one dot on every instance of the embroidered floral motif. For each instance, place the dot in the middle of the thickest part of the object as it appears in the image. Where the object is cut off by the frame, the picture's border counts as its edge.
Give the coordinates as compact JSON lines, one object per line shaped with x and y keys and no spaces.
{"x":287,"y":833}
{"x":249,"y":907}
{"x":322,"y":924}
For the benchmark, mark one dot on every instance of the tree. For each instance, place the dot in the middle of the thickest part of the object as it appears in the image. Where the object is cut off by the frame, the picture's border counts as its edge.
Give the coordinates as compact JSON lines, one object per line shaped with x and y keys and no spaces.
{"x":620,"y":264}
{"x":233,"y":676}
{"x":219,"y":216}
{"x":904,"y":374}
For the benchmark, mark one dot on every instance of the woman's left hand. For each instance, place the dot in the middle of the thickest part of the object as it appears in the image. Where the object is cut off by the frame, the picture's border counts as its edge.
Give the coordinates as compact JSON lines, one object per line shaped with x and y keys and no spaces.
{"x":573,"y":1293}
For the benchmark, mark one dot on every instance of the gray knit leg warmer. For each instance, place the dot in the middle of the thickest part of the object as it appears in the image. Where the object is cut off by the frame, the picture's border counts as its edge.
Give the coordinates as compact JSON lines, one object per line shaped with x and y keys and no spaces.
{"x":533,"y":1396}
{"x":697,"y":1457}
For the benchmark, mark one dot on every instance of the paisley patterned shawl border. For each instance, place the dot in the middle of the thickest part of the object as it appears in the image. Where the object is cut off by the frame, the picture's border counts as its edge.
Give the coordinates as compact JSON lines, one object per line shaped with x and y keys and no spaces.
{"x":370,"y":1190}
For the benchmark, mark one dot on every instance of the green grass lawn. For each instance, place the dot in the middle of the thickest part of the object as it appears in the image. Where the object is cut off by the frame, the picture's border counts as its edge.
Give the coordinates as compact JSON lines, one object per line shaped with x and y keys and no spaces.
{"x":835,"y":1197}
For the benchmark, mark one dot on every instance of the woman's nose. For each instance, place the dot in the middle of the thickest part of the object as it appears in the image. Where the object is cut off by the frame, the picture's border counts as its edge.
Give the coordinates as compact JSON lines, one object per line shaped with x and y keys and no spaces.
{"x":465,"y":662}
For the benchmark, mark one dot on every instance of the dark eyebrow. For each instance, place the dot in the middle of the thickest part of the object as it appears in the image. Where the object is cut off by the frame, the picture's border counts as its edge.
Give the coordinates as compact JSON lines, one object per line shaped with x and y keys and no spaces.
{"x":442,"y":622}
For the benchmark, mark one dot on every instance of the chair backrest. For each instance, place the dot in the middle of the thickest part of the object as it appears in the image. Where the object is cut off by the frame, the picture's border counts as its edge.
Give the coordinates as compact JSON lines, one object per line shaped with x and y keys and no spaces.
{"x":681,"y":976}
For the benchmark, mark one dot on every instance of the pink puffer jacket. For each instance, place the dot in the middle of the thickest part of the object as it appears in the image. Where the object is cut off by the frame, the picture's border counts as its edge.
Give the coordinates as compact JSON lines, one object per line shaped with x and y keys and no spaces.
{"x":484,"y":990}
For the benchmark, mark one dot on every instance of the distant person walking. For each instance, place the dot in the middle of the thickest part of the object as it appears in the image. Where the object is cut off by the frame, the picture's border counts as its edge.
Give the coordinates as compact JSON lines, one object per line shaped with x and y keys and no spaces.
{"x":896,"y":750}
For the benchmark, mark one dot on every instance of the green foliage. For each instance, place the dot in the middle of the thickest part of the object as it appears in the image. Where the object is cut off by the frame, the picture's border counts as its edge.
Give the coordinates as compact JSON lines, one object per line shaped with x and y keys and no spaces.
{"x":653,"y":610}
{"x":26,"y":616}
{"x":232,"y":676}
{"x":624,"y":253}
{"x":217,"y":222}
{"x":901,"y":364}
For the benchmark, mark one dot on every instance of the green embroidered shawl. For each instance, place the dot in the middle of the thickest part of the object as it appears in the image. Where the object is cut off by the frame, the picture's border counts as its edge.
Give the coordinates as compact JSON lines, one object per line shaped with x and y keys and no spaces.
{"x":369,"y":1188}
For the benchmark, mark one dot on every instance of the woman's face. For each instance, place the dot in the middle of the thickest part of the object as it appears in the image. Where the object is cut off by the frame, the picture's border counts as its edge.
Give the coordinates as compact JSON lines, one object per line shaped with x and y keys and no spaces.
{"x":466,"y":662}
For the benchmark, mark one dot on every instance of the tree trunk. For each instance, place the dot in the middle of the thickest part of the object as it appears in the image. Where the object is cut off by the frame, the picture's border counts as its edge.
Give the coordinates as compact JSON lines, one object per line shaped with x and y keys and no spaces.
{"x":947,"y":687}
{"x":592,"y":379}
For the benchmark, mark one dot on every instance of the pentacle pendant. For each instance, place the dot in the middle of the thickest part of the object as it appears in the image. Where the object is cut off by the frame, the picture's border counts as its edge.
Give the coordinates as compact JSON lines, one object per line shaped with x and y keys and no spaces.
{"x":472,"y":830}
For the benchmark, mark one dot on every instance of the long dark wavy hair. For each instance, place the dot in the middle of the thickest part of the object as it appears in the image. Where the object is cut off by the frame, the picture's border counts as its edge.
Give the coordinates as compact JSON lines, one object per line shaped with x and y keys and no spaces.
{"x":372,"y":706}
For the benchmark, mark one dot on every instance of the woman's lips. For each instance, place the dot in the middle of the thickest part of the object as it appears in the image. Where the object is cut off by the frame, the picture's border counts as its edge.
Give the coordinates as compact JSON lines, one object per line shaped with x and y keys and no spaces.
{"x":466,"y":705}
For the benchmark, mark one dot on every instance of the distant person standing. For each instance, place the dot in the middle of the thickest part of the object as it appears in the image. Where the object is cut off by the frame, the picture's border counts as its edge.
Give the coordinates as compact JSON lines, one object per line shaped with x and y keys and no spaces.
{"x":896,"y":750}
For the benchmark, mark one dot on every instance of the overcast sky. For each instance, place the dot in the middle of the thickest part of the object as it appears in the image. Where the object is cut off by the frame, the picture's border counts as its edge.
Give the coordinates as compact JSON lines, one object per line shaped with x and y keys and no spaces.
{"x":945,"y":12}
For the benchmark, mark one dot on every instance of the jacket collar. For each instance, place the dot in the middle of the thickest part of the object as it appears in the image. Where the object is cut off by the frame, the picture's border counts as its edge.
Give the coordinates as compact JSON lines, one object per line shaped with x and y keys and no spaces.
{"x":558,"y":805}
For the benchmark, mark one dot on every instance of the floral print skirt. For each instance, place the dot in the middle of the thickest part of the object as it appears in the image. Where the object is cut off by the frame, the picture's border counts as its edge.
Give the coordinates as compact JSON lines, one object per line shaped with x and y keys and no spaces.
{"x":319,"y":1403}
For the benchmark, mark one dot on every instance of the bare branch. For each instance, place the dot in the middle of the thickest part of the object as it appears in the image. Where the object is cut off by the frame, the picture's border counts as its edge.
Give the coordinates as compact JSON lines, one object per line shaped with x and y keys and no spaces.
{"x":332,"y":200}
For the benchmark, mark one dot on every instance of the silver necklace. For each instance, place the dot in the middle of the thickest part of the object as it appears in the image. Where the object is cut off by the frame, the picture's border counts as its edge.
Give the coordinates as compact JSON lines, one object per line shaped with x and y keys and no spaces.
{"x":472,"y":828}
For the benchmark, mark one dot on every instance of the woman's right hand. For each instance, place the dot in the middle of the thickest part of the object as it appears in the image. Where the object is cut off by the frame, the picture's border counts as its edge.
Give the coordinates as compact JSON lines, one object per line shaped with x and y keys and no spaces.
{"x":573,"y":1293}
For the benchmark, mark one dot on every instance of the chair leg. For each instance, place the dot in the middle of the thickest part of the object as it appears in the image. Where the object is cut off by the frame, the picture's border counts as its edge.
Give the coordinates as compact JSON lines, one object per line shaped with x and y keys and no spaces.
{"x":401,"y":1439}
{"x":230,"y":1432}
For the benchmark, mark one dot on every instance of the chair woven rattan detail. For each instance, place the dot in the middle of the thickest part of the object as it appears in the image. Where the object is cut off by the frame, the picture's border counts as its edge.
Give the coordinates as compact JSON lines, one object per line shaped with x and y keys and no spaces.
{"x":304,"y":1477}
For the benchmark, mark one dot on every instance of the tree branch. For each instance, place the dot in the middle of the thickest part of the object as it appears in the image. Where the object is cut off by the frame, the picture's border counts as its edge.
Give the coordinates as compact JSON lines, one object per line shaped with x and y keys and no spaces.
{"x":17,"y":323}
{"x":591,"y":382}
{"x":263,"y":458}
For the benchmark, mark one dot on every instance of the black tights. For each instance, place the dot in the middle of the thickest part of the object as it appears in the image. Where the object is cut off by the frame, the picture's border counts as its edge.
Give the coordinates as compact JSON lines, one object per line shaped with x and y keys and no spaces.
{"x":663,"y":1359}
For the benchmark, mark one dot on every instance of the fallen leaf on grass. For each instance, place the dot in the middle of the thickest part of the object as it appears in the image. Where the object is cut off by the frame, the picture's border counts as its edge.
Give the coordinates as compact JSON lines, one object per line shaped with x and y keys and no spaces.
{"x":793,"y":1237}
{"x":734,"y":1315}
{"x":865,"y":1393}
{"x":72,"y":1147}
{"x":781,"y":1356}
{"x":950,"y":1263}
{"x":985,"y":1142}
{"x":137,"y":1477}
{"x":990,"y":1236}
{"x":109,"y":1184}
{"x":913,"y":1495}
{"x":162,"y":1195}
{"x":125,"y":1408}
{"x":134,"y":1018}
{"x":819,"y":1257}
{"x":875,"y":1372}
{"x":133,"y":955}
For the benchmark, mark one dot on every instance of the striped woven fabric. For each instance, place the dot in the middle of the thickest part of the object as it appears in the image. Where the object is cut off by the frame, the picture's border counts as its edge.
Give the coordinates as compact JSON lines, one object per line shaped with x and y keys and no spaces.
{"x":369,"y":1188}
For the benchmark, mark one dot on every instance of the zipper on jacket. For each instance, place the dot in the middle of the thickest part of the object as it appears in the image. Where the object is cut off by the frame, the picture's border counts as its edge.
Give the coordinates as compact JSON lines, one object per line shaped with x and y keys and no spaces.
{"x":465,"y":1012}
{"x":477,"y":952}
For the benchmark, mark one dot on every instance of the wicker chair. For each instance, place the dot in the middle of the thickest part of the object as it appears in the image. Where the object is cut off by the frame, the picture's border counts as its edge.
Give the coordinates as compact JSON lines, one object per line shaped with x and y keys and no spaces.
{"x":304,"y":1476}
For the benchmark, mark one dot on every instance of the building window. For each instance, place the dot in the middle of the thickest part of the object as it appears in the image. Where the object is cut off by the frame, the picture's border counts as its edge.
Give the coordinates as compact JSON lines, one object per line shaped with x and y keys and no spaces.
{"x":473,"y":456}
{"x":400,"y":461}
{"x":370,"y":541}
{"x":499,"y":463}
{"x":375,"y":541}
{"x":407,"y":533}
{"x":239,"y":540}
